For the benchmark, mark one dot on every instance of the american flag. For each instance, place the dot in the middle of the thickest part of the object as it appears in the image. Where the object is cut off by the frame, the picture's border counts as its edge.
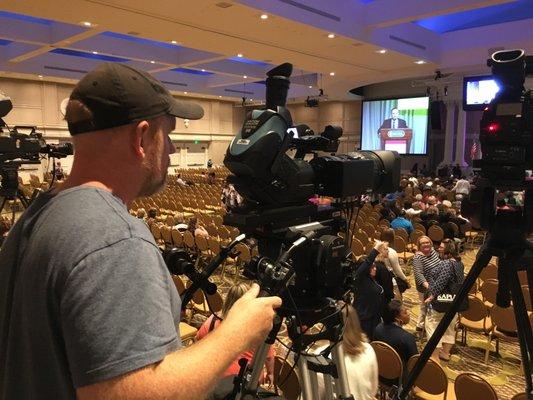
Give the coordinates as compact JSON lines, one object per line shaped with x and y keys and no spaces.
{"x":473,"y":150}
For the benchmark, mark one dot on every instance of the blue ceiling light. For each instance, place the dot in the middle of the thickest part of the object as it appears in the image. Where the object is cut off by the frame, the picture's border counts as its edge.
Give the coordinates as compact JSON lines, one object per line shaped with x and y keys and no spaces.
{"x":4,"y":42}
{"x":192,"y":71}
{"x":139,"y":40}
{"x":248,"y":61}
{"x":498,"y":14}
{"x":26,"y":18}
{"x":100,"y":57}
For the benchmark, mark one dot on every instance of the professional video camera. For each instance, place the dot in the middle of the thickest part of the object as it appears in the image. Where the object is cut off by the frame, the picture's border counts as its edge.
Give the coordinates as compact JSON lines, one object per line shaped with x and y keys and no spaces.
{"x":17,"y":148}
{"x":506,"y":136}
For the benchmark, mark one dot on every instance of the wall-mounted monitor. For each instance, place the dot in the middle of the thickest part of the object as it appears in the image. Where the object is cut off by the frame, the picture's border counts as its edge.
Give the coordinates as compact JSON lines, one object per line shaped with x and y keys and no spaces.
{"x":399,"y":124}
{"x":478,"y":91}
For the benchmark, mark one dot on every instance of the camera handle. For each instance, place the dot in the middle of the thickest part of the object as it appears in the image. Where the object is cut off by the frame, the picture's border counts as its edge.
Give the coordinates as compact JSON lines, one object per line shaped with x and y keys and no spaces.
{"x":208,"y":271}
{"x":509,"y":253}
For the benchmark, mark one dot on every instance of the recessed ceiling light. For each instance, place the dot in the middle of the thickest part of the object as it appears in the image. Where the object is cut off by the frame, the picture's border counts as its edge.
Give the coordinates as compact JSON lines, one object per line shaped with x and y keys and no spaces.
{"x":203,"y":70}
{"x":219,"y":97}
{"x":40,"y":76}
{"x":152,"y":62}
{"x":331,"y":35}
{"x":381,"y":51}
{"x":251,"y":99}
{"x":310,"y":87}
{"x":332,"y":73}
{"x":264,"y":16}
{"x":244,"y":76}
{"x":239,"y":55}
{"x":95,"y":52}
{"x":419,"y":62}
{"x":86,"y":23}
{"x":185,"y":92}
{"x":174,"y":42}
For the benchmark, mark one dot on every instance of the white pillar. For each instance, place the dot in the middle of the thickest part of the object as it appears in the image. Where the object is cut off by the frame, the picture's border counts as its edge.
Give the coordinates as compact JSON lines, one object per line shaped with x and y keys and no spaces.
{"x":461,"y":139}
{"x":183,"y":156}
{"x":450,"y":128}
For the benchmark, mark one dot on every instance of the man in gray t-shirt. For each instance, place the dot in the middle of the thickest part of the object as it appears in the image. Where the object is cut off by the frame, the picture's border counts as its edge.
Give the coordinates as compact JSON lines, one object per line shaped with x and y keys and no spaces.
{"x":88,"y":309}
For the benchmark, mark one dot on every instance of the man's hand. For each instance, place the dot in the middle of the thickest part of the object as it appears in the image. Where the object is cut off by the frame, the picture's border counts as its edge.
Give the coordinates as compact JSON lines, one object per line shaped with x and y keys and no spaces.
{"x":429,"y":299}
{"x":250,"y":319}
{"x":426,"y":285}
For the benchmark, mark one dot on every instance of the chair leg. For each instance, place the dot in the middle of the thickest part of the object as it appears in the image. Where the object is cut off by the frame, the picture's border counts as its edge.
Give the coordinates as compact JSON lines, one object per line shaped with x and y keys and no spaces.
{"x":487,"y":350}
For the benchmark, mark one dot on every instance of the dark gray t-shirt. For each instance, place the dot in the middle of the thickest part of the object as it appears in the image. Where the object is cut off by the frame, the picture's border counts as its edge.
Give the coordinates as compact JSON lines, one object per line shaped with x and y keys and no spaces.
{"x":92,"y":299}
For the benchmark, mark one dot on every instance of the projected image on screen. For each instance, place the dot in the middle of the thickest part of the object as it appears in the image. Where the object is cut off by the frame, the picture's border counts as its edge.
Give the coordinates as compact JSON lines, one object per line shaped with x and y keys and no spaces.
{"x":396,"y":124}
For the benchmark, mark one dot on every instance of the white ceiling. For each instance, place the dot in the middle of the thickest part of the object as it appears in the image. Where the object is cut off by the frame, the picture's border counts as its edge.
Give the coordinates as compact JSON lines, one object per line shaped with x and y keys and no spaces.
{"x":212,"y":32}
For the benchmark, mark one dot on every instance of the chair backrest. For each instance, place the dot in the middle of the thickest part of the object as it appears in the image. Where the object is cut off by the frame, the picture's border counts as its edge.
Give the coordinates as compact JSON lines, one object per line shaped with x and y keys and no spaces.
{"x":519,"y":396}
{"x":503,"y":319}
{"x":390,"y":364}
{"x":244,"y":253}
{"x":357,"y":247}
{"x":399,"y":244}
{"x":432,"y":379}
{"x":413,"y":238}
{"x":489,"y":272}
{"x":188,"y":239}
{"x":177,"y":237}
{"x":476,"y":310}
{"x":156,"y":231}
{"x":402,"y":233}
{"x":178,"y":282}
{"x":488,"y":289}
{"x":285,"y":378}
{"x":214,"y":245}
{"x":471,"y":386}
{"x":201,"y":242}
{"x":419,"y":227}
{"x":435,"y":233}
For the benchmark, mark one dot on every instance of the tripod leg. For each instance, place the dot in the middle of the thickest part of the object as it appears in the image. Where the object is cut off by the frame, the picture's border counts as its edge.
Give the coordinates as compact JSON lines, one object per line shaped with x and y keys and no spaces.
{"x":305,"y":378}
{"x":483,"y":257}
{"x":525,"y":335}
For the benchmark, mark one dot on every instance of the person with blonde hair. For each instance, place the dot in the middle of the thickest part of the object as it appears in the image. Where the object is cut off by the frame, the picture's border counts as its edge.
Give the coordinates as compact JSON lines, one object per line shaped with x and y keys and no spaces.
{"x":214,"y":321}
{"x":359,"y":357}
{"x":425,"y":259}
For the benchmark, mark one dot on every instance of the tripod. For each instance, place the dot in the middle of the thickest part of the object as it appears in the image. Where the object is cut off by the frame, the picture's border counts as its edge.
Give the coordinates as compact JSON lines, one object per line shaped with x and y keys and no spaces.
{"x":508,"y":243}
{"x":333,"y":371}
{"x":9,"y":189}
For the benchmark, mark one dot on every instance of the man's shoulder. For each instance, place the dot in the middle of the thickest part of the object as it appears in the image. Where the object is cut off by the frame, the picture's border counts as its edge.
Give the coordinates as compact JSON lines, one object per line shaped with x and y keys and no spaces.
{"x":92,"y":215}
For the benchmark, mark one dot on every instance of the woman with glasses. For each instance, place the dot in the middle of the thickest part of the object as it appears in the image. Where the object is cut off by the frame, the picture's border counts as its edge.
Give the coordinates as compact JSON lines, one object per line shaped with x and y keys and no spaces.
{"x":424,"y":261}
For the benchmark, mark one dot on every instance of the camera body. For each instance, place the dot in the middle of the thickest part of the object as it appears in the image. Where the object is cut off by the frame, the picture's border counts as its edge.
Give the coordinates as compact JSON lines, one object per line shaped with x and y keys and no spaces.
{"x":506,"y":136}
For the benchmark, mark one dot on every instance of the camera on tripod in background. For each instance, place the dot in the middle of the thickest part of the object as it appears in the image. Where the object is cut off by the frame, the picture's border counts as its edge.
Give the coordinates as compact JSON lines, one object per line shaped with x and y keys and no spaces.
{"x":506,"y":136}
{"x":17,"y":148}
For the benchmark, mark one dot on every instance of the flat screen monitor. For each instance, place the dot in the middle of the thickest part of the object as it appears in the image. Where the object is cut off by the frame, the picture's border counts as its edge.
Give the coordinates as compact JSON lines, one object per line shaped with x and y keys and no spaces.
{"x":478,"y":91}
{"x":399,"y":124}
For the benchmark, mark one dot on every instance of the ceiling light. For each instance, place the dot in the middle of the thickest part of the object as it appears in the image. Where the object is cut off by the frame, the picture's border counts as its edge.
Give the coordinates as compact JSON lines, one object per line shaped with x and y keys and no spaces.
{"x":203,"y":70}
{"x":420,"y":62}
{"x":382,"y":51}
{"x":219,"y":97}
{"x":174,"y":42}
{"x":95,"y":52}
{"x":152,"y":62}
{"x":185,"y":92}
{"x":332,"y":74}
{"x":310,"y":87}
{"x":331,"y":36}
{"x":244,"y":76}
{"x":264,"y":16}
{"x":239,"y":55}
{"x":40,"y":76}
{"x":86,"y":23}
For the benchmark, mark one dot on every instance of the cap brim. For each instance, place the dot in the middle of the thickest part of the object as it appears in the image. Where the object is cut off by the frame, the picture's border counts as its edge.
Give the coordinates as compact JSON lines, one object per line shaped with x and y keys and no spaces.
{"x":185,"y":109}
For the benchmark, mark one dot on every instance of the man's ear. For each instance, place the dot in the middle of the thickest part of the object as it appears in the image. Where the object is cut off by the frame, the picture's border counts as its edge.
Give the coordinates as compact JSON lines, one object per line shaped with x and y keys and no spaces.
{"x":140,"y":138}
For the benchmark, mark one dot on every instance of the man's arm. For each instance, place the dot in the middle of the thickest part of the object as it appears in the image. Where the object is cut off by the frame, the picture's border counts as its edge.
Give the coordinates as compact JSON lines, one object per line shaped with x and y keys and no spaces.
{"x":192,"y":372}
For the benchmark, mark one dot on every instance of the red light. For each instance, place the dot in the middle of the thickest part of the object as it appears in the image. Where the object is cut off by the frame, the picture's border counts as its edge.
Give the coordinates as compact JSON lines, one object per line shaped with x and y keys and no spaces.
{"x":493,"y":127}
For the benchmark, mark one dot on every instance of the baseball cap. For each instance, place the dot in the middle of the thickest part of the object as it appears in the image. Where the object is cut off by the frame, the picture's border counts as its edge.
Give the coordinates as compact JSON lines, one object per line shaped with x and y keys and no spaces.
{"x":118,"y":94}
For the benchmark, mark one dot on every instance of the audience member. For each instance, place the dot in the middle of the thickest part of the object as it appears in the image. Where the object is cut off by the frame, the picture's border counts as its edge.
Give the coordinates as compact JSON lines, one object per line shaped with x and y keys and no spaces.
{"x":180,"y":181}
{"x":391,"y":331}
{"x":209,"y":163}
{"x":370,"y":295}
{"x":401,"y":222}
{"x":359,"y":358}
{"x":400,"y":281}
{"x":196,"y":229}
{"x":449,"y":271}
{"x":235,"y":293}
{"x":462,"y":186}
{"x":5,"y":226}
{"x":60,"y":174}
{"x":411,"y":212}
{"x":423,"y":263}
